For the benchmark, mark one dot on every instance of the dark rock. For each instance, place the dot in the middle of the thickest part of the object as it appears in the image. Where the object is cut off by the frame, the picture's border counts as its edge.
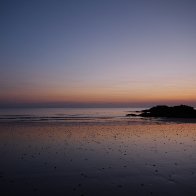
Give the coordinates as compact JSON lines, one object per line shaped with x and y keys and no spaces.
{"x":181,"y":111}
{"x":132,"y":115}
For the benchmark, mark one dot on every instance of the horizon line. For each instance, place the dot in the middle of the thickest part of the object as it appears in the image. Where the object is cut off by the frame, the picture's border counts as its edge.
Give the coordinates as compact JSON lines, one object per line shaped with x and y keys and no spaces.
{"x":94,"y":105}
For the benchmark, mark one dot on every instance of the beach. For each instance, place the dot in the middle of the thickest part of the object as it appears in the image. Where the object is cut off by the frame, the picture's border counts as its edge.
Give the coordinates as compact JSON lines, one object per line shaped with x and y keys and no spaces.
{"x":54,"y":158}
{"x":98,"y":98}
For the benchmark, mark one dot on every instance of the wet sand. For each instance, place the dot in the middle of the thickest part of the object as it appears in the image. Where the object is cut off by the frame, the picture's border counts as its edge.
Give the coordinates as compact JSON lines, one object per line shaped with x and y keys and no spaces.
{"x":57,"y":159}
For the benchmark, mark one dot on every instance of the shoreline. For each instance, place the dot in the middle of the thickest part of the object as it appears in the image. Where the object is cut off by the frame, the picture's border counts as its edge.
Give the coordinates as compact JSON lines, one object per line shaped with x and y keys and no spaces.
{"x":53,"y":158}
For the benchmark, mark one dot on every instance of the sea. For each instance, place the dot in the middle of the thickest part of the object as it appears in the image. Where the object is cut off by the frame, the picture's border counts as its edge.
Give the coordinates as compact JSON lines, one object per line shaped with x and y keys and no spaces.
{"x":68,"y":115}
{"x":82,"y":116}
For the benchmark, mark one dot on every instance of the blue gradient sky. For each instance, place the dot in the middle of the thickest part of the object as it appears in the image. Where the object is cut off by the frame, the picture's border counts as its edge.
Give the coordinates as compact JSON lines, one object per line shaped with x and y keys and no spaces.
{"x":118,"y":52}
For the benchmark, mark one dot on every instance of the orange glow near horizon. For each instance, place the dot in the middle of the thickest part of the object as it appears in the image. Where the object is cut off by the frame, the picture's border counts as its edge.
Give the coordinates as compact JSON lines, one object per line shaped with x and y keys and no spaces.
{"x":134,"y":94}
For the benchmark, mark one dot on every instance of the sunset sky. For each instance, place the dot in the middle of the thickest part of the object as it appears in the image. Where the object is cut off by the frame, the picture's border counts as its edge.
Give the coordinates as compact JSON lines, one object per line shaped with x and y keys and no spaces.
{"x":97,"y":52}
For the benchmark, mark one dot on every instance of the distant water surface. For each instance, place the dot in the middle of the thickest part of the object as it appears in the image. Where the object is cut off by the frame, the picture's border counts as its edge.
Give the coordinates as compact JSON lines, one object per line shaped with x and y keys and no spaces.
{"x":83,"y":116}
{"x":65,"y":114}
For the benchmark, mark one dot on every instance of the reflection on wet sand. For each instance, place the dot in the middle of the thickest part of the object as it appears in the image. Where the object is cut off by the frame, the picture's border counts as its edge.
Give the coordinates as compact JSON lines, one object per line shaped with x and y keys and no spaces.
{"x":51,"y":158}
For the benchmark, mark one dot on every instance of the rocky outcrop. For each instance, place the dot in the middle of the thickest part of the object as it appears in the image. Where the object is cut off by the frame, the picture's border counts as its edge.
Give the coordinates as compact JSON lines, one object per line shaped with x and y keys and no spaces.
{"x":181,"y":111}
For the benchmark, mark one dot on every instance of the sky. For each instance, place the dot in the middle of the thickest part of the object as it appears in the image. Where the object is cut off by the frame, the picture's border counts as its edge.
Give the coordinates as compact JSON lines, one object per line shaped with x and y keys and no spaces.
{"x":97,"y":52}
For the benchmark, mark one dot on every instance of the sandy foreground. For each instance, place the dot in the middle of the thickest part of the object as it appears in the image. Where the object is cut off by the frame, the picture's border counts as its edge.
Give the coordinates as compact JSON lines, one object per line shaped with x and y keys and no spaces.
{"x":56,"y":159}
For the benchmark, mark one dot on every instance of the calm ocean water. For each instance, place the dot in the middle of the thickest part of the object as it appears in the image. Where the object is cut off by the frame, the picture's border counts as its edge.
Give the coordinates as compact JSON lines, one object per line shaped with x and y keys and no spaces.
{"x":65,"y":114}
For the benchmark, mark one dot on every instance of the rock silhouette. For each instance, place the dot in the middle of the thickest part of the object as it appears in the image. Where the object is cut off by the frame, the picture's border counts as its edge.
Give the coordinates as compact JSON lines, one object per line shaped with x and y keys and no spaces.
{"x":181,"y":111}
